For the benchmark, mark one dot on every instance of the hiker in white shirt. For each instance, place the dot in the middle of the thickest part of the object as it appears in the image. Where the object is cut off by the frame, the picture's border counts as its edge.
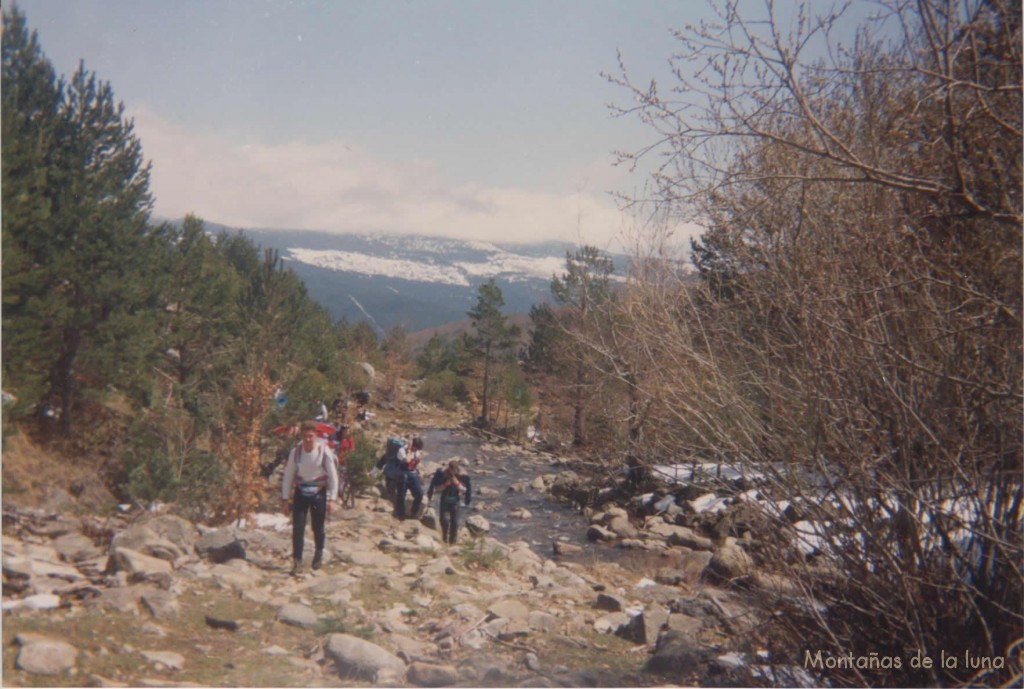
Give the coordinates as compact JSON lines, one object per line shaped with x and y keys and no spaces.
{"x":310,"y":484}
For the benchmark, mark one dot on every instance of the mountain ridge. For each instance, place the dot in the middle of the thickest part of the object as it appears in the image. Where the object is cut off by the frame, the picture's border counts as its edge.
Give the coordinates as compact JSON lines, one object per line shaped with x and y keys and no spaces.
{"x":418,"y":282}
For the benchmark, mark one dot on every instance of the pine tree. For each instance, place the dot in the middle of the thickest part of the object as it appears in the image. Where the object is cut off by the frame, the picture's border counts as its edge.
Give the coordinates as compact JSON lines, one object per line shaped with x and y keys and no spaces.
{"x":82,"y":251}
{"x":583,"y":291}
{"x":31,"y":103}
{"x":494,"y":337}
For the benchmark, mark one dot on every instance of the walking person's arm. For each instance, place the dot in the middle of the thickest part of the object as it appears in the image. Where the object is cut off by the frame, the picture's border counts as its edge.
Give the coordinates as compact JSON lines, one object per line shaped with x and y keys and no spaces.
{"x":288,"y":480}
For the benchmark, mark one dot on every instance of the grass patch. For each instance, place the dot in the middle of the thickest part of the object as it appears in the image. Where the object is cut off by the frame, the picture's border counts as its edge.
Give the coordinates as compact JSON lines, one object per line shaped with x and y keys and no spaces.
{"x":477,"y":555}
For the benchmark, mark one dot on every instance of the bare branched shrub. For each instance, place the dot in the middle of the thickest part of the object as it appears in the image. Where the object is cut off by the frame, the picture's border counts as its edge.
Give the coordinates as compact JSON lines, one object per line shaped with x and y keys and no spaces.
{"x":856,"y":341}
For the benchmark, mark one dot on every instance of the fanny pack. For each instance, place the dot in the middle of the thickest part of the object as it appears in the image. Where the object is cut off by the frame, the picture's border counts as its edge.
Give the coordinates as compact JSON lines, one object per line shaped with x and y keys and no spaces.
{"x":310,"y":489}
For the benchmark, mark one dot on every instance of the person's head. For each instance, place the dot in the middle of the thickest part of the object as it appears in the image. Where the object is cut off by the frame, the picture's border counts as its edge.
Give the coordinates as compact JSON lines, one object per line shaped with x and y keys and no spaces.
{"x":453,"y":467}
{"x":417,"y":443}
{"x":308,"y":430}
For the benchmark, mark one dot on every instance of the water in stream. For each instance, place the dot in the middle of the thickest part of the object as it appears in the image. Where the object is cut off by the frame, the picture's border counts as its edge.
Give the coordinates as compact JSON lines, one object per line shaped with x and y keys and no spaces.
{"x":501,"y":483}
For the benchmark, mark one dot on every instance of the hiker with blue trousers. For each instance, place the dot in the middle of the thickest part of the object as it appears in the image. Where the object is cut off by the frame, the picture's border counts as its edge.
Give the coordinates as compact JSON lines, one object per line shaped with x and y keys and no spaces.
{"x":452,"y":486}
{"x":410,"y":480}
{"x":310,"y":485}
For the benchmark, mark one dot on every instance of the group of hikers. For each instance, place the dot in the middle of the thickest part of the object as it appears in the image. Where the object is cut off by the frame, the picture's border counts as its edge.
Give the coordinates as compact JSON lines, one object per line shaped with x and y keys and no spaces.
{"x":312,"y":478}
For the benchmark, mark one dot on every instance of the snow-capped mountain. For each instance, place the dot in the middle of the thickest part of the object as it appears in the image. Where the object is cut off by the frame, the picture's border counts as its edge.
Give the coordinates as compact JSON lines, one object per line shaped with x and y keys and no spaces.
{"x":414,"y":281}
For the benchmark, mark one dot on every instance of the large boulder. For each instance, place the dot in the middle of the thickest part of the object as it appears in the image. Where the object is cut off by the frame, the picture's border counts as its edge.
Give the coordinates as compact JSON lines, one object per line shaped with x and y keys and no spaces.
{"x":46,"y":657}
{"x":220,"y":545}
{"x":145,"y":540}
{"x":477,"y":525}
{"x":677,"y":656}
{"x":358,"y":659}
{"x":730,"y":564}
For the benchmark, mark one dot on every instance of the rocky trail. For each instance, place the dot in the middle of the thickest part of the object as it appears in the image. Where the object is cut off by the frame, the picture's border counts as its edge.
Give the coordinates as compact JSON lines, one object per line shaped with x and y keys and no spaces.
{"x":146,"y":599}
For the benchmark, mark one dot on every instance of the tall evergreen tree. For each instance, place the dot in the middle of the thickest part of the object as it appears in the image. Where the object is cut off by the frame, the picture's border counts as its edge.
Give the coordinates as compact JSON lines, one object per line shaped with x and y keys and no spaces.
{"x":583,"y":290}
{"x":494,"y":337}
{"x":88,"y":234}
{"x":31,"y":103}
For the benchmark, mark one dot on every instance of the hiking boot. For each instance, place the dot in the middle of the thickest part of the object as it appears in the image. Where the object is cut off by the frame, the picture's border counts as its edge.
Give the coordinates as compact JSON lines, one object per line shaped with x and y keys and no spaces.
{"x":296,"y":568}
{"x":318,"y":559}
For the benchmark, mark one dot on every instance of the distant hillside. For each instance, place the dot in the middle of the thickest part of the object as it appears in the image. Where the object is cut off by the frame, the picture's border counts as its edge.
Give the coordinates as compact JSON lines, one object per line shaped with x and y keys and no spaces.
{"x":450,"y":331}
{"x":413,"y":281}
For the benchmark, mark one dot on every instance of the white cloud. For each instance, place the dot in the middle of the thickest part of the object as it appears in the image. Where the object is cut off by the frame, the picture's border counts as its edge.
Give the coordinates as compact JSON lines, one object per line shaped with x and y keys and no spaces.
{"x":335,"y":186}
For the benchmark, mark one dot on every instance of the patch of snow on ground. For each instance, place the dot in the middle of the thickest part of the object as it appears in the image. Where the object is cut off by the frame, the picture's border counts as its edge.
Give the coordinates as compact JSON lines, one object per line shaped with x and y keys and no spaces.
{"x":368,"y":265}
{"x":502,"y":262}
{"x":709,"y":503}
{"x":274,"y":522}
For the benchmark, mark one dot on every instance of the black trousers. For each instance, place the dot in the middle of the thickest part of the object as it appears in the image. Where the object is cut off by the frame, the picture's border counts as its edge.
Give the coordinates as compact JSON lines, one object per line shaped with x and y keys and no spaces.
{"x":316,"y":504}
{"x":409,"y":483}
{"x":449,"y":514}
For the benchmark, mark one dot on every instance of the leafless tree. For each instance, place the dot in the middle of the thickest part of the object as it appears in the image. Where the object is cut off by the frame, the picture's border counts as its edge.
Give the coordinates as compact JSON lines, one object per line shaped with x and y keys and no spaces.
{"x":857,"y":336}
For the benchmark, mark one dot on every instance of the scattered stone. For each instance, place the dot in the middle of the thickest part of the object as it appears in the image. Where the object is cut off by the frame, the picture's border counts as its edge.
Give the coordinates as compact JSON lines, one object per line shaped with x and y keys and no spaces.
{"x":477,"y":525}
{"x":429,"y":675}
{"x":161,"y":604}
{"x":298,"y":615}
{"x":610,"y":624}
{"x":610,"y":602}
{"x":167,"y":659}
{"x":677,"y":656}
{"x":730,"y":564}
{"x":355,"y":658}
{"x":216,"y":623}
{"x":563,"y":548}
{"x":599,"y":533}
{"x":47,"y":657}
{"x":220,"y":545}
{"x":138,"y":566}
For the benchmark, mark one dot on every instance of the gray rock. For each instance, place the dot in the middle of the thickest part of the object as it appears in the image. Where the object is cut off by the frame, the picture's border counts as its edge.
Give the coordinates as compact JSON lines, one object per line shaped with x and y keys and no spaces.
{"x":677,"y":656}
{"x":75,"y":547}
{"x":430,"y":675}
{"x":532,"y":662}
{"x":599,"y":533}
{"x":178,"y":531}
{"x":297,"y":615}
{"x":542,"y":621}
{"x":730,"y":564}
{"x":137,"y":565}
{"x":477,"y":525}
{"x":220,"y":545}
{"x":563,"y":548}
{"x":645,"y":627}
{"x":509,"y":609}
{"x":622,"y":527}
{"x":610,"y":602}
{"x":161,"y":604}
{"x":358,"y":659}
{"x":685,"y":623}
{"x":168,"y":659}
{"x":48,"y":657}
{"x":142,"y":539}
{"x":688,"y":538}
{"x":611,"y":623}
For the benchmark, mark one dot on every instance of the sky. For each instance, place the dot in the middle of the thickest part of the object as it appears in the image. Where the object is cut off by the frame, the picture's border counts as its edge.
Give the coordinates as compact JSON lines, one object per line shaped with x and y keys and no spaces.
{"x":475,"y":119}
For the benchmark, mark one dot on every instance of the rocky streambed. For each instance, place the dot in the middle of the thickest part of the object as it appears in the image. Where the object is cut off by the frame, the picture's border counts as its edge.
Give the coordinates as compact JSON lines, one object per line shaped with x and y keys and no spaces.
{"x":537,"y":593}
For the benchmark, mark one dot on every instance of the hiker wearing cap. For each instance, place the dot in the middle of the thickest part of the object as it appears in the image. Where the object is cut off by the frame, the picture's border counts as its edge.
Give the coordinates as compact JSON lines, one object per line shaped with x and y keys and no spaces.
{"x":310,"y":485}
{"x":452,"y":485}
{"x":410,"y":480}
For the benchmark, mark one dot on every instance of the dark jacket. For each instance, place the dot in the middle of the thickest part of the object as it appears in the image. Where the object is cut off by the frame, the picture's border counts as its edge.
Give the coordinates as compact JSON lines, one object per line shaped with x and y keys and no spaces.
{"x":449,"y":493}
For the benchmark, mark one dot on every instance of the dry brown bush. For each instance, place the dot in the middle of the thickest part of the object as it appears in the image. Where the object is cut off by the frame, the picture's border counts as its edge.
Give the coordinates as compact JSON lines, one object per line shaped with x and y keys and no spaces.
{"x":857,"y":335}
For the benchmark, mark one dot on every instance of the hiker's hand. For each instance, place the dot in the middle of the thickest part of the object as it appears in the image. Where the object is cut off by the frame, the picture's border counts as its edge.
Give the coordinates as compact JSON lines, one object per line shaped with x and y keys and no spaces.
{"x":330,"y":506}
{"x":286,"y":506}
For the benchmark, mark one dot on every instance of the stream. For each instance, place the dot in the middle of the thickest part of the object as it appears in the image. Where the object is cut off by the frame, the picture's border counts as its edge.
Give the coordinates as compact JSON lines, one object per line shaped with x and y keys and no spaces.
{"x":496,"y":475}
